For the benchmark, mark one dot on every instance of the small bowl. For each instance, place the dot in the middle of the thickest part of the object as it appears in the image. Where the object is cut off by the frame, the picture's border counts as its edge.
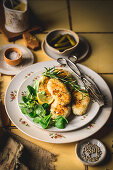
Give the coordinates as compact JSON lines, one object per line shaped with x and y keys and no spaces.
{"x":12,"y":56}
{"x":54,"y":33}
{"x":80,"y":147}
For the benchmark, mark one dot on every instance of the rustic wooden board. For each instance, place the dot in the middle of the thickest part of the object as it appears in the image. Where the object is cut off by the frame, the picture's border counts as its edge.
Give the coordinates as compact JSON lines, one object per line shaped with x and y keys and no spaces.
{"x":34,"y":27}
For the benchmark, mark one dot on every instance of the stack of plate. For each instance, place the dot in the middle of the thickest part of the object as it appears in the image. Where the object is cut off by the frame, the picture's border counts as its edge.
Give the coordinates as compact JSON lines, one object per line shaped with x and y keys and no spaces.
{"x":77,"y":129}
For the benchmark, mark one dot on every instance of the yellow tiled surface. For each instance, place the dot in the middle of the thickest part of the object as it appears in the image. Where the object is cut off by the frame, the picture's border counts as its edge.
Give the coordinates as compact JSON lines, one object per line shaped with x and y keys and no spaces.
{"x":107,"y":139}
{"x":106,"y":134}
{"x":3,"y":40}
{"x":109,"y":80}
{"x":12,"y":124}
{"x":39,"y":55}
{"x":4,"y":82}
{"x":51,"y":13}
{"x":92,"y":16}
{"x":101,"y":57}
{"x":66,"y":158}
{"x":47,"y":146}
{"x":88,"y":16}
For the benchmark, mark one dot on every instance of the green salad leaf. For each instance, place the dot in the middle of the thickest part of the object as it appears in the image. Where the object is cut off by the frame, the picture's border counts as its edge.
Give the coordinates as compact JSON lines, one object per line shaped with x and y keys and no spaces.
{"x":60,"y":122}
{"x":24,"y":110}
{"x":25,"y":99}
{"x":31,"y":91}
{"x":40,"y":112}
{"x":32,"y":114}
{"x":33,"y":109}
{"x":37,"y":119}
{"x":45,"y":105}
{"x":44,"y":122}
{"x":22,"y":105}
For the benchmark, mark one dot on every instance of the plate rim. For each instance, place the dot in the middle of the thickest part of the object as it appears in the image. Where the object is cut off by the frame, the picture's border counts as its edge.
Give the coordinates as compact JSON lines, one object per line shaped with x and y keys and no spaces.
{"x":68,"y":135}
{"x":56,"y":129}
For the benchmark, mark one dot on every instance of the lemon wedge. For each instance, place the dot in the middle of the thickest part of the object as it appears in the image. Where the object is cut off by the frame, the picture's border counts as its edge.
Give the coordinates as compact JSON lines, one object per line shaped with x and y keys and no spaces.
{"x":43,"y":98}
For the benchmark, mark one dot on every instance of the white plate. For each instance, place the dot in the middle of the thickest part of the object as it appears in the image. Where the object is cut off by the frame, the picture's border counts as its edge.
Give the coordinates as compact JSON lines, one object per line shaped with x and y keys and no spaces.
{"x":20,"y":121}
{"x":80,"y":52}
{"x":27,"y":59}
{"x":75,"y":122}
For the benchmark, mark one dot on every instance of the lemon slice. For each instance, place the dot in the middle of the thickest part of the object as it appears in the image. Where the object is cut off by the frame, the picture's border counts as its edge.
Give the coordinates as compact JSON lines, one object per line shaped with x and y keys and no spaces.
{"x":43,"y":98}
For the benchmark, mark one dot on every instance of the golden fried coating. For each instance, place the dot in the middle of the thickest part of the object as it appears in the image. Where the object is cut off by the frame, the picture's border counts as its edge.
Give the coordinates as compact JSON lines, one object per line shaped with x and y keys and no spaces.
{"x":80,"y":103}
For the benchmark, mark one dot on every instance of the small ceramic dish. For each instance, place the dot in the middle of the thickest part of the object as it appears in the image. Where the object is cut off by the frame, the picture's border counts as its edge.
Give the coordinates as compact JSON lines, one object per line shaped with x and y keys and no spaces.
{"x":13,"y":56}
{"x":90,"y":152}
{"x":57,"y":32}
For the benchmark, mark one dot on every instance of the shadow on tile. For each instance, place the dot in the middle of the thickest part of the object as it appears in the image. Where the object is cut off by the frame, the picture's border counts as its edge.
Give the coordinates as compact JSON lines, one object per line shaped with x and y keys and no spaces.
{"x":83,"y":50}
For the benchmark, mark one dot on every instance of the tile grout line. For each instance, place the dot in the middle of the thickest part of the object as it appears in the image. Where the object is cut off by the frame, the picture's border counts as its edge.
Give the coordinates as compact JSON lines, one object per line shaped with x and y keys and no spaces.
{"x":8,"y":127}
{"x":94,"y":32}
{"x":105,"y":73}
{"x":69,"y":14}
{"x":46,"y":32}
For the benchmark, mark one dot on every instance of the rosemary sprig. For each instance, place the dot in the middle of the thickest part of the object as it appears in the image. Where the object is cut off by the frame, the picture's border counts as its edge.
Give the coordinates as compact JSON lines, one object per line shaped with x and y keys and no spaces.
{"x":67,"y":79}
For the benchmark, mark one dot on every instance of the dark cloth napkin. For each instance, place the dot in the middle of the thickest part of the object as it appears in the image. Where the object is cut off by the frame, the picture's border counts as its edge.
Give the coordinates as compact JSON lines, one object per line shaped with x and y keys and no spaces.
{"x":17,"y":153}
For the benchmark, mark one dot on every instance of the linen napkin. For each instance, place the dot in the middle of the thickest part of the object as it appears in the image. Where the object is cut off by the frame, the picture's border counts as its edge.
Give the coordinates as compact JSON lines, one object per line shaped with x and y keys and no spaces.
{"x":17,"y":153}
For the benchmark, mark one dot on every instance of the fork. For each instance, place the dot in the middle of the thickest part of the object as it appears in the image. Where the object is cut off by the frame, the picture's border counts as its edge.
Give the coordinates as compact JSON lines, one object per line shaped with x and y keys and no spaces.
{"x":90,"y":85}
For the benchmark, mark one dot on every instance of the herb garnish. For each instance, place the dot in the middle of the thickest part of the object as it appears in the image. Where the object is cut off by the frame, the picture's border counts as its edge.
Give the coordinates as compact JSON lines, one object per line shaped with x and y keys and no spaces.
{"x":67,"y":79}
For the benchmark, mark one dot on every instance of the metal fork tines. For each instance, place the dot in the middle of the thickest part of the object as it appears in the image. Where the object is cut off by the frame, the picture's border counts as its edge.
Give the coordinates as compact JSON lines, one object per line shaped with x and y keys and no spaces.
{"x":96,"y":95}
{"x":89,"y":84}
